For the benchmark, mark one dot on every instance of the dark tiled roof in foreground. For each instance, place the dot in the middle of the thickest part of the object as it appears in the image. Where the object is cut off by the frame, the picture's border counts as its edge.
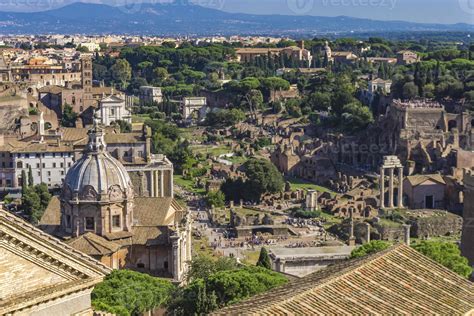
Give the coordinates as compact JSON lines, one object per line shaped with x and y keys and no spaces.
{"x":397,"y":281}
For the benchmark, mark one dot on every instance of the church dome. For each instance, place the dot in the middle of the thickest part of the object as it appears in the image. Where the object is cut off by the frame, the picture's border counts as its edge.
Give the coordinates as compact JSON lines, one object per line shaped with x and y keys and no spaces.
{"x":97,"y":173}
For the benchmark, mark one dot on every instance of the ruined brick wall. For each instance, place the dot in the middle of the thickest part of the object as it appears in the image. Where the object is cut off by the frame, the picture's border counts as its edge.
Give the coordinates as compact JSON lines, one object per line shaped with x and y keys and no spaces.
{"x":436,"y":226}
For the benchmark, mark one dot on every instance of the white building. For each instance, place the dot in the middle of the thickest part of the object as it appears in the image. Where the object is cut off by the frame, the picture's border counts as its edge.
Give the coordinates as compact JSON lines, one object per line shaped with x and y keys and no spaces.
{"x":381,"y":85}
{"x":113,"y":108}
{"x":49,"y":164}
{"x":149,"y":95}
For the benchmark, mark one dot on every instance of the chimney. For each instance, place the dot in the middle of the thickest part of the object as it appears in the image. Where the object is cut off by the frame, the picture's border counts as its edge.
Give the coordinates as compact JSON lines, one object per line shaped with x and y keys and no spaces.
{"x":406,"y":238}
{"x":302,"y":44}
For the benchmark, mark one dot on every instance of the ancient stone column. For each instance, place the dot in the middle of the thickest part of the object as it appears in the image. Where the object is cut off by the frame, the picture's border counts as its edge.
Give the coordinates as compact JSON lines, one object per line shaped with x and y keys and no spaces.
{"x":162,"y":183}
{"x":406,"y":238}
{"x":351,"y":228}
{"x":390,"y":188}
{"x":382,"y":187}
{"x":176,"y":269}
{"x":400,"y":187}
{"x":367,"y":232}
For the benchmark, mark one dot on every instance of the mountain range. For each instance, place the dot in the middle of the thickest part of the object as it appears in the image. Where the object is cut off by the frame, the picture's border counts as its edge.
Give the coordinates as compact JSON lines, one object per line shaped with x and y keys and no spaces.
{"x":183,"y":18}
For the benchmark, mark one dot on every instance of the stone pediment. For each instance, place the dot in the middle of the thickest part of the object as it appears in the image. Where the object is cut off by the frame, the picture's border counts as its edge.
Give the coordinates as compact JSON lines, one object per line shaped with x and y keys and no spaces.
{"x":36,"y":268}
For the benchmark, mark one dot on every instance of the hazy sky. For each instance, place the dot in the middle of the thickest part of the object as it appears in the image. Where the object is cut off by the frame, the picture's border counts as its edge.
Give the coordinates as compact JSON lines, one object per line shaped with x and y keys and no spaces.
{"x":436,"y":11}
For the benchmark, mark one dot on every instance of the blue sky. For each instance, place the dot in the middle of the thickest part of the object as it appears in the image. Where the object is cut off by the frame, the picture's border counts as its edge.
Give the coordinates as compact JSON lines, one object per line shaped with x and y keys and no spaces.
{"x":430,"y":11}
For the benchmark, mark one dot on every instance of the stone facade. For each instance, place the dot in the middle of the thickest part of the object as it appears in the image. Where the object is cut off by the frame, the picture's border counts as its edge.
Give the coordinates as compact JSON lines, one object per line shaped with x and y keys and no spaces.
{"x":40,"y":275}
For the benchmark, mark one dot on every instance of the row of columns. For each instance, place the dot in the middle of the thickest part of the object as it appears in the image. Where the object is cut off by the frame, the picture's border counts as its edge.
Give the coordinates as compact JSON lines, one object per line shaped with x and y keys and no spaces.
{"x":391,"y":187}
{"x":157,"y":183}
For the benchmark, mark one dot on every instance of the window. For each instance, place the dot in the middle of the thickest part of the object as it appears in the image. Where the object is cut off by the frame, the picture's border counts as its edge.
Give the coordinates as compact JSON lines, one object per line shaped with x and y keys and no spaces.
{"x":49,"y":173}
{"x":62,"y":165}
{"x":3,"y":164}
{"x":68,"y":221}
{"x":54,"y":165}
{"x":116,"y":221}
{"x":90,"y":225}
{"x":38,"y":155}
{"x":37,"y":166}
{"x":44,"y":165}
{"x":62,"y":173}
{"x":112,"y":112}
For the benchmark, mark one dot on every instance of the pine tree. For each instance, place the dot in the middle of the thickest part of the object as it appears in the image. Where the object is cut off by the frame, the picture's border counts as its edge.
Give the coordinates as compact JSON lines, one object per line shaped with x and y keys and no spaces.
{"x":264,"y":259}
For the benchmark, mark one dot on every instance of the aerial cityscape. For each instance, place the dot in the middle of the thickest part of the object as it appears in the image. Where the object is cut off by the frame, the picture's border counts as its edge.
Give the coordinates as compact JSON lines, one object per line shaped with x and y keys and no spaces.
{"x":279,"y":157}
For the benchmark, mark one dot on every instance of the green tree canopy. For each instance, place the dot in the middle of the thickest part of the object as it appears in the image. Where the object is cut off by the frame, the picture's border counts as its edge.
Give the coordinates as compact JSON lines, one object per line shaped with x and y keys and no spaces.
{"x":216,"y":199}
{"x":224,"y":117}
{"x":126,"y":292}
{"x":202,"y":296}
{"x":369,"y":248}
{"x":262,"y":177}
{"x":121,"y":72}
{"x":69,"y":117}
{"x":447,"y":254}
{"x":203,"y":266}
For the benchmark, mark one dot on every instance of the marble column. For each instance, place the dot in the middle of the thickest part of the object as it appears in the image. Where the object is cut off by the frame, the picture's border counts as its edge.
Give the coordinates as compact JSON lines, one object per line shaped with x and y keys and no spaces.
{"x":176,"y":259}
{"x":407,"y":234}
{"x":390,"y":188}
{"x":162,"y":179}
{"x":382,"y":187}
{"x":367,"y":232}
{"x":400,"y":187}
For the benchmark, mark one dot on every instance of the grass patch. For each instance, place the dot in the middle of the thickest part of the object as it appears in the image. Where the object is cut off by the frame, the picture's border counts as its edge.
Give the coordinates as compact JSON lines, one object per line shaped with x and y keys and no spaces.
{"x":330,"y":220}
{"x":140,"y":118}
{"x":188,"y":185}
{"x":251,"y":257}
{"x":297,"y":183}
{"x":212,"y":150}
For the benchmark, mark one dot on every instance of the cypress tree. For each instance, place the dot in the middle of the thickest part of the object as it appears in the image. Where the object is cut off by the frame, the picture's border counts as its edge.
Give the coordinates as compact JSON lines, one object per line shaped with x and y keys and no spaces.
{"x":264,"y":259}
{"x":31,"y":181}
{"x":24,"y":182}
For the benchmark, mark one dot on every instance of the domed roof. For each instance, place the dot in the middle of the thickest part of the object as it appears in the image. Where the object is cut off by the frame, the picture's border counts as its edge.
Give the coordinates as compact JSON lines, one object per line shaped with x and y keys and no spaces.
{"x":97,"y":172}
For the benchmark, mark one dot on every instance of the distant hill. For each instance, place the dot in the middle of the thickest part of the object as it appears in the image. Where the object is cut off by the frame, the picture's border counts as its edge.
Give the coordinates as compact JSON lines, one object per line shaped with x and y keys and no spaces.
{"x":188,"y":19}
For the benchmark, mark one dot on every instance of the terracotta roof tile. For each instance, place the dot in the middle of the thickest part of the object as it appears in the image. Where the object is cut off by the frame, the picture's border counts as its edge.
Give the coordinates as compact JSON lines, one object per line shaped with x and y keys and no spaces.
{"x":399,"y":280}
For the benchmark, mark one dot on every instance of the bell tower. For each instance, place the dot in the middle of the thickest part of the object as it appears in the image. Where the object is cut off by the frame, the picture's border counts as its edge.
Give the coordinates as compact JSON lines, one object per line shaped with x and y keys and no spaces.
{"x":86,"y":82}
